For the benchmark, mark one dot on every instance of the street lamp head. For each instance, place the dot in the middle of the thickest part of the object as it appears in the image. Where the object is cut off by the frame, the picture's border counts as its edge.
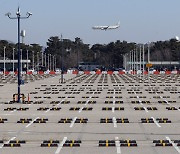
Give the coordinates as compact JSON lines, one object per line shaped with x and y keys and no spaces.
{"x":8,"y":14}
{"x":29,"y":13}
{"x":18,"y":12}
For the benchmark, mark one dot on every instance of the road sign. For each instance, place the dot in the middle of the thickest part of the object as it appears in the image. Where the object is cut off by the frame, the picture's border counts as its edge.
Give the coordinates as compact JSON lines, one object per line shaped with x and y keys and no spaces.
{"x":148,"y":65}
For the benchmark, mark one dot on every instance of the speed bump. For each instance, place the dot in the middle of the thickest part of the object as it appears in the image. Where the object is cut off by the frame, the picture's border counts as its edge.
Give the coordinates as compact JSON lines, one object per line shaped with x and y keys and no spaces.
{"x":106,"y":143}
{"x":152,"y":108}
{"x":17,"y":141}
{"x":41,"y":120}
{"x":72,"y":143}
{"x":139,"y":108}
{"x":42,"y":109}
{"x":106,"y":108}
{"x":162,"y":143}
{"x":81,"y":120}
{"x":65,"y":102}
{"x":122,"y":120}
{"x":23,"y":120}
{"x":171,"y":108}
{"x":50,"y":143}
{"x":2,"y":120}
{"x":87,"y":109}
{"x":163,"y":120}
{"x":55,"y":109}
{"x":74,"y":108}
{"x":81,"y":102}
{"x":65,"y":120}
{"x":147,"y":120}
{"x":128,"y":143}
{"x":10,"y":109}
{"x":119,"y":108}
{"x":106,"y":120}
{"x":119,"y":102}
{"x":22,"y":109}
{"x":108,"y":102}
{"x":12,"y":145}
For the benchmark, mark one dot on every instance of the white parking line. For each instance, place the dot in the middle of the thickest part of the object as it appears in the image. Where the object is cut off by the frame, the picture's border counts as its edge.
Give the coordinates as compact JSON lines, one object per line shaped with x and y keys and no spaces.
{"x":13,"y":111}
{"x":113,"y":109}
{"x":117,"y":145}
{"x":80,"y":110}
{"x":72,"y":123}
{"x":61,"y":145}
{"x":174,"y":145}
{"x":114,"y":102}
{"x":47,"y":110}
{"x":145,"y":109}
{"x":155,"y":122}
{"x":32,"y":122}
{"x":114,"y":122}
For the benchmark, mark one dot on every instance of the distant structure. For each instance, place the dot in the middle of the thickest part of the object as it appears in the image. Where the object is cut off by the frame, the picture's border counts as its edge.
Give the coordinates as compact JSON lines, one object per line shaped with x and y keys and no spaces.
{"x":23,"y":34}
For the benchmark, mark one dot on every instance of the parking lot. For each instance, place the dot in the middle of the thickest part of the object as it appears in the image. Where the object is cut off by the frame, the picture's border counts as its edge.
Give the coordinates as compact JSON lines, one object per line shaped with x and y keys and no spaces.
{"x":91,"y":113}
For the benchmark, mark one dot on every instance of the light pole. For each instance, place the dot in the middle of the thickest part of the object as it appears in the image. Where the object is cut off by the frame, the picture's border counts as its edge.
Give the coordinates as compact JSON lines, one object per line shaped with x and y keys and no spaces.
{"x":42,"y":59}
{"x":140,"y":61}
{"x":143,"y":62}
{"x":4,"y":60}
{"x":13,"y":61}
{"x":48,"y":62}
{"x":18,"y":17}
{"x":27,"y":63}
{"x":33,"y":61}
{"x":148,"y":59}
{"x":21,"y":61}
{"x":37,"y":61}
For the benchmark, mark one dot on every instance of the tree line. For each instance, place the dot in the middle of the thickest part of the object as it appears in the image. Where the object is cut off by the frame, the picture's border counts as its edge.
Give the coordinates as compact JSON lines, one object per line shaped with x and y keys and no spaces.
{"x":69,"y":52}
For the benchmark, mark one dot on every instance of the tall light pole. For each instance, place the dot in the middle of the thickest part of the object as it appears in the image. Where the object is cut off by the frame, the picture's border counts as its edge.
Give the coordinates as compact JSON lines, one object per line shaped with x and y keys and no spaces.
{"x":18,"y":17}
{"x":48,"y":62}
{"x":143,"y":62}
{"x":4,"y":61}
{"x":61,"y":59}
{"x":38,"y":61}
{"x":42,"y":60}
{"x":21,"y":61}
{"x":27,"y":63}
{"x":148,"y":59}
{"x":13,"y":61}
{"x":33,"y":60}
{"x":140,"y":60}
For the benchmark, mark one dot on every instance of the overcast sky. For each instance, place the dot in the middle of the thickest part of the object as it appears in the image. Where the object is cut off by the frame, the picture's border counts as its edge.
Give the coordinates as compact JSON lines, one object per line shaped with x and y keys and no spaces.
{"x":141,"y":20}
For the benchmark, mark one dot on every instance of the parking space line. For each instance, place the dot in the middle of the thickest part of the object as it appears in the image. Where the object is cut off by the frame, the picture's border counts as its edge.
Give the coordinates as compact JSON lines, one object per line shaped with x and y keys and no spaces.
{"x":145,"y":109}
{"x":114,"y":102}
{"x":117,"y":145}
{"x":32,"y":122}
{"x":174,"y":145}
{"x":80,"y":110}
{"x":114,"y":122}
{"x":155,"y":122}
{"x":13,"y":111}
{"x":113,"y":109}
{"x":72,"y":123}
{"x":61,"y":145}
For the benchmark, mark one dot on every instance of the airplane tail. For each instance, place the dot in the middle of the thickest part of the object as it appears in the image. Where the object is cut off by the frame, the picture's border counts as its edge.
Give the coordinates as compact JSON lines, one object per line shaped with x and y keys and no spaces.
{"x":118,"y":23}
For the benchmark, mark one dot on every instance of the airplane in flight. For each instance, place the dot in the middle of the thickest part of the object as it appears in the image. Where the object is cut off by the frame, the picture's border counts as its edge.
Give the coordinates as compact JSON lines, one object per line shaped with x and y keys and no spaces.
{"x":106,"y":27}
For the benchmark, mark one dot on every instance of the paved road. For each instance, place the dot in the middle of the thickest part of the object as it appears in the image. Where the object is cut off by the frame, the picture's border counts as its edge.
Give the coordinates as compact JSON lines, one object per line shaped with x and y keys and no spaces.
{"x":101,"y":114}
